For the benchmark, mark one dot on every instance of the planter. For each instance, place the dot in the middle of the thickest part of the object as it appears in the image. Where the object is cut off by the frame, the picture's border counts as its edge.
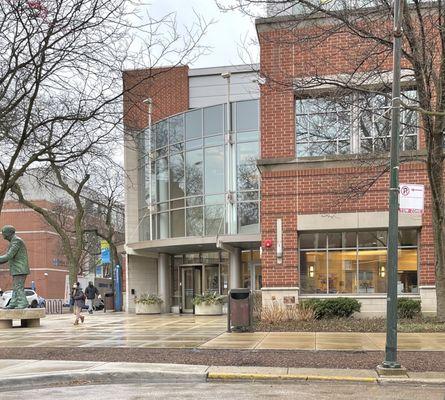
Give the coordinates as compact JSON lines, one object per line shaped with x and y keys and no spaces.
{"x":142,"y":308}
{"x":208,"y":309}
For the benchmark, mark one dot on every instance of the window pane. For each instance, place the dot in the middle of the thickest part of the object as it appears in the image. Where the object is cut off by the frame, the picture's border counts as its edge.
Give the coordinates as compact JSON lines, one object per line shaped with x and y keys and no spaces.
{"x":177,"y":148}
{"x":372,"y":239}
{"x":248,"y":137}
{"x":313,"y":240}
{"x":176,"y":129}
{"x":211,"y":278}
{"x":214,"y":141}
{"x":408,"y":237}
{"x":177,"y":181}
{"x":194,"y":201}
{"x":193,"y":172}
{"x":335,"y":240}
{"x":193,"y":124}
{"x":372,"y":271}
{"x":161,"y":131}
{"x":247,"y":115}
{"x":214,"y":199}
{"x":162,"y":179}
{"x":342,"y":272}
{"x":213,"y":120}
{"x":214,"y":170}
{"x":194,"y":221}
{"x":193,"y":144}
{"x":177,"y":223}
{"x":214,"y":220}
{"x":248,"y":220}
{"x":313,"y":272}
{"x":162,"y":225}
{"x":407,"y":271}
{"x":247,"y":170}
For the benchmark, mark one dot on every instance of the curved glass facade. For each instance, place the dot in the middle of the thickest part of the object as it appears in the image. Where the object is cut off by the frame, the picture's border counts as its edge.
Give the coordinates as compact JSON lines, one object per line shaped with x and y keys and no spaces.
{"x":196,"y":178}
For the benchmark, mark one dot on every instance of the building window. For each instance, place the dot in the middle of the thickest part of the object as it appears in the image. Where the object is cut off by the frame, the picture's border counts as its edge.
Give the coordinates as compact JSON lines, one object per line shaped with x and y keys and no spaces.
{"x":185,"y":186}
{"x":352,"y":123}
{"x":355,"y":262}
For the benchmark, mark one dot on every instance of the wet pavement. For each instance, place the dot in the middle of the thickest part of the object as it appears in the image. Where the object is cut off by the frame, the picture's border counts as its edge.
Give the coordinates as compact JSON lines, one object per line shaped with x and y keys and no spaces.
{"x":117,"y":330}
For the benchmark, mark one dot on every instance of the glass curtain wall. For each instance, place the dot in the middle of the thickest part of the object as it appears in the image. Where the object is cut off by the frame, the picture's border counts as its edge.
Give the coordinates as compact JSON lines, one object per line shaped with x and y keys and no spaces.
{"x":355,"y":262}
{"x":189,"y":168}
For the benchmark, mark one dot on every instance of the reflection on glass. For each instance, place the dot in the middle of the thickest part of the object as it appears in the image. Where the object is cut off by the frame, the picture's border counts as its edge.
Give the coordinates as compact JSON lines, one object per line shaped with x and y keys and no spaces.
{"x":342,"y":272}
{"x":193,"y":173}
{"x":248,"y":219}
{"x":211,"y":278}
{"x":193,"y":124}
{"x":214,"y":220}
{"x":162,"y":179}
{"x":161,"y":133}
{"x":194,"y":221}
{"x":177,"y":181}
{"x":177,"y":223}
{"x":214,"y":170}
{"x":247,"y":115}
{"x":407,"y":271}
{"x":213,"y":120}
{"x":176,"y":129}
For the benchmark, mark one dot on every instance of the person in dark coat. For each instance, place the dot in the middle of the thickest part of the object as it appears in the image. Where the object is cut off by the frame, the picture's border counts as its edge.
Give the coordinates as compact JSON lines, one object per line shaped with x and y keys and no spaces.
{"x":79,"y":302}
{"x":90,"y":293}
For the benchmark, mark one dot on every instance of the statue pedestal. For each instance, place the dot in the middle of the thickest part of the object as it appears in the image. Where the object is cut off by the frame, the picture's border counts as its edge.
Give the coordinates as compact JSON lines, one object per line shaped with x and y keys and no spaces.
{"x":29,"y":317}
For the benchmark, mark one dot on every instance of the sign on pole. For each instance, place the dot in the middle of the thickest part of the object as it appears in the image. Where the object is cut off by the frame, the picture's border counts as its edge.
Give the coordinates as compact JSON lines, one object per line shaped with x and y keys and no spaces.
{"x":411,"y":198}
{"x":105,"y":252}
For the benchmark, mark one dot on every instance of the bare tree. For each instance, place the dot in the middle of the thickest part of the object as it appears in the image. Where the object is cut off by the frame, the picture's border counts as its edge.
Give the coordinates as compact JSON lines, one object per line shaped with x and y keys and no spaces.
{"x":360,"y":34}
{"x":61,"y":65}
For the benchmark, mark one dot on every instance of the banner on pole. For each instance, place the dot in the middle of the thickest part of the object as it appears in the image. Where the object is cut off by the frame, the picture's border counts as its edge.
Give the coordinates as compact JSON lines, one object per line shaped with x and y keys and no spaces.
{"x":411,"y":198}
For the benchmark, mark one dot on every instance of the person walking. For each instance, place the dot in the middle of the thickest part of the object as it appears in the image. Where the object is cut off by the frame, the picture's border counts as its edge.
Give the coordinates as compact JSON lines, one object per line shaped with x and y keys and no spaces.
{"x":79,"y":302}
{"x":90,"y":293}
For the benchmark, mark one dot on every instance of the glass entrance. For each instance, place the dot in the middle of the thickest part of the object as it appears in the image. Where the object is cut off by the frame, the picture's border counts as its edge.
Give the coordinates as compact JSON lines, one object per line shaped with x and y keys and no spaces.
{"x":191,"y":285}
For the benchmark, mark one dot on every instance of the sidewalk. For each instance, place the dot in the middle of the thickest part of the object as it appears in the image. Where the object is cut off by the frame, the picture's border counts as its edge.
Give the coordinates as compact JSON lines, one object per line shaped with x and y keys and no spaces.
{"x":355,"y":341}
{"x":25,"y":374}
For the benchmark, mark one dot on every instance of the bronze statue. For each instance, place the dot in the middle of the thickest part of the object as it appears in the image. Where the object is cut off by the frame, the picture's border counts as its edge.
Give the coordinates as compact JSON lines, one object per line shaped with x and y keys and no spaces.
{"x":17,"y":257}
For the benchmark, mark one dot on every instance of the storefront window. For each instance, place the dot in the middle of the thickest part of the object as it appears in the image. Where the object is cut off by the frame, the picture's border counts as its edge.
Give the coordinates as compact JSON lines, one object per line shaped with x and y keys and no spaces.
{"x":355,"y":262}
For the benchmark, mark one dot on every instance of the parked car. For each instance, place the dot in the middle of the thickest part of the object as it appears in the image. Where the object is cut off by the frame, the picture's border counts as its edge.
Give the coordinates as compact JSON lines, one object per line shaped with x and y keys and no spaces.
{"x":31,"y":296}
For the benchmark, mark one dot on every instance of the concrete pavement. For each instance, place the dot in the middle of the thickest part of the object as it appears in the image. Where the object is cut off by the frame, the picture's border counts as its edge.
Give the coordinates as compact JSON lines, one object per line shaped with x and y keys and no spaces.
{"x":190,"y":331}
{"x":22,"y":374}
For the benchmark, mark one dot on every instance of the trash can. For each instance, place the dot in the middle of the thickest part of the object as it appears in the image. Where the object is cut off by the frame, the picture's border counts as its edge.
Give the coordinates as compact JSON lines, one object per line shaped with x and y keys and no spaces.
{"x":109,"y":301}
{"x":240,"y":310}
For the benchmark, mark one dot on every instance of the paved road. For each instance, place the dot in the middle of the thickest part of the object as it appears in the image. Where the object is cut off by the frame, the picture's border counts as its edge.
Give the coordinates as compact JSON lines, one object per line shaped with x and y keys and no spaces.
{"x":243,"y":391}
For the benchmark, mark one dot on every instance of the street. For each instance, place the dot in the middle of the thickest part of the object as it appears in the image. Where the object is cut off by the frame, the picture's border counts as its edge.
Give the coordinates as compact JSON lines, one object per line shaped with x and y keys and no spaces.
{"x":240,"y":391}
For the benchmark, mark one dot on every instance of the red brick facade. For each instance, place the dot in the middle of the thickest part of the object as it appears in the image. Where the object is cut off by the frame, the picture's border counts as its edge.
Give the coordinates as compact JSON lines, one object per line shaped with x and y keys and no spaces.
{"x":46,"y":260}
{"x":289,"y":188}
{"x":167,"y":87}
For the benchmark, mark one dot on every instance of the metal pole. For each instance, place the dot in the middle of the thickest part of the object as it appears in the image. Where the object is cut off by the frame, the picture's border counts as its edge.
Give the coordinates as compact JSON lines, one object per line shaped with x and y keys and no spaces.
{"x":150,"y":104}
{"x":391,"y":316}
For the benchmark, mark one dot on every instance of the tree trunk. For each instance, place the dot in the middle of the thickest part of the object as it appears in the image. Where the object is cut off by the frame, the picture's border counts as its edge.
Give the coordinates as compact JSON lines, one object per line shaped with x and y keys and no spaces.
{"x":435,"y":177}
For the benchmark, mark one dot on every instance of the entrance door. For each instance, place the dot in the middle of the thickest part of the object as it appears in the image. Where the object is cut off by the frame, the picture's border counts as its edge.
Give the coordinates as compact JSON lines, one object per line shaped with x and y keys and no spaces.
{"x":191,"y":285}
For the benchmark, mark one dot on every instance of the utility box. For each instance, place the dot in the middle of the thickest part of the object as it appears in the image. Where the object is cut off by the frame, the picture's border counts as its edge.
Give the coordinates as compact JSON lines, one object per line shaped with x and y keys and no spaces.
{"x":240,"y":310}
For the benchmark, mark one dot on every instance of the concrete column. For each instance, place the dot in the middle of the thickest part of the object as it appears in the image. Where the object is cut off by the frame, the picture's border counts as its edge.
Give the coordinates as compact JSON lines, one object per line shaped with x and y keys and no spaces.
{"x":235,"y":268}
{"x":164,"y":281}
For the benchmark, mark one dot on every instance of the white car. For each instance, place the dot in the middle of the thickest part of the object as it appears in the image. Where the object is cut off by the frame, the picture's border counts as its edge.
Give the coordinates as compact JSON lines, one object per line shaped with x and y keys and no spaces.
{"x":31,"y":296}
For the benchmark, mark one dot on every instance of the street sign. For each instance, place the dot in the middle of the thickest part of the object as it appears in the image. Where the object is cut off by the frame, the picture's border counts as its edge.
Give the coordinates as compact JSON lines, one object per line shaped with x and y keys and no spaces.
{"x":411,"y":198}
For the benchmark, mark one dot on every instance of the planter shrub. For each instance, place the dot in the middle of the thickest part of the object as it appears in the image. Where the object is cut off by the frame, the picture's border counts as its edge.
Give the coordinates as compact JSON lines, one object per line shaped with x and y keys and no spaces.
{"x":408,"y":308}
{"x":208,"y":298}
{"x":340,"y":307}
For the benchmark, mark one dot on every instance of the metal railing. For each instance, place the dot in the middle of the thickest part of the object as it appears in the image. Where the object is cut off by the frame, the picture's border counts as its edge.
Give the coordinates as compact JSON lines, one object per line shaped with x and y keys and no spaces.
{"x":54,"y":306}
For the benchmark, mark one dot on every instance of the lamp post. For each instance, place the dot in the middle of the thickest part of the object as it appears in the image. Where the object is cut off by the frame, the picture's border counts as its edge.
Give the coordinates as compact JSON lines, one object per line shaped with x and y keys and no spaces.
{"x":231,"y":168}
{"x":390,"y":361}
{"x":149,"y":102}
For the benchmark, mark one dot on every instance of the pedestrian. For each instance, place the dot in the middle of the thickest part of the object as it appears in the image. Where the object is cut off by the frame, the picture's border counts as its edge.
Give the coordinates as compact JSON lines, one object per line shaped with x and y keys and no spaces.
{"x":90,"y":293}
{"x":79,"y":302}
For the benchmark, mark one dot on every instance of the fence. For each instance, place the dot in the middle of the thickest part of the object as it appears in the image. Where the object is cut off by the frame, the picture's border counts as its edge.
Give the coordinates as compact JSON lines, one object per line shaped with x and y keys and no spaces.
{"x":54,"y":306}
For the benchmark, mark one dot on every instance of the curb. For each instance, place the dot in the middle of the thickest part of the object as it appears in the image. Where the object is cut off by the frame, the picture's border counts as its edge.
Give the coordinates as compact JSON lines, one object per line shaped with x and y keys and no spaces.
{"x":224,"y":376}
{"x":227,"y":376}
{"x":96,"y":377}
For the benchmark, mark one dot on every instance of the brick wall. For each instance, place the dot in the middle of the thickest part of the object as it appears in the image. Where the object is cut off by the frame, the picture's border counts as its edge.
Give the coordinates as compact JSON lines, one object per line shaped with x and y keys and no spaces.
{"x":46,"y":260}
{"x":287,"y":190}
{"x":167,"y":87}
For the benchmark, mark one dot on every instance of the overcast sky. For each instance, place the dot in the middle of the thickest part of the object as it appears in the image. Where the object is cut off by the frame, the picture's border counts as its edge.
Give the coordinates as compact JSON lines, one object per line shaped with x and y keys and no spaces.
{"x":225,"y":37}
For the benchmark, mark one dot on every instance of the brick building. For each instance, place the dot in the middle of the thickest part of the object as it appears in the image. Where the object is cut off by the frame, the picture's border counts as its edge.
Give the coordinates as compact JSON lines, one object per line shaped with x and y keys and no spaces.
{"x":317,"y":239}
